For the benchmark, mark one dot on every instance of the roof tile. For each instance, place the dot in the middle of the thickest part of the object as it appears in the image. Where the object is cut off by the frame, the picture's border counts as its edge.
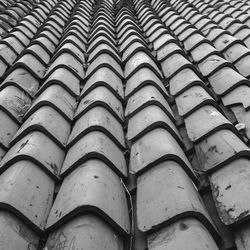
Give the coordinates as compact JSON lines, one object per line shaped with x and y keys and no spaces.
{"x":98,"y":119}
{"x":219,"y":149}
{"x":144,"y":97}
{"x":168,"y":179}
{"x":212,"y":64}
{"x":149,"y":118}
{"x":192,"y":99}
{"x":104,"y":60}
{"x":81,"y":230}
{"x":168,"y":49}
{"x":144,"y":77}
{"x":96,"y":145}
{"x":242,"y":116}
{"x":107,"y":78}
{"x":155,"y":147}
{"x":242,"y":237}
{"x":101,"y":49}
{"x":14,"y":102}
{"x":27,"y":192}
{"x":230,"y":189}
{"x":176,"y":38}
{"x":101,"y":96}
{"x":56,"y":97}
{"x":68,"y":61}
{"x":139,"y":60}
{"x":174,"y":64}
{"x":183,"y":80}
{"x":48,"y":121}
{"x":15,"y":234}
{"x":187,"y":233}
{"x":102,"y":193}
{"x":226,"y":79}
{"x":32,"y":148}
{"x":32,"y":63}
{"x":64,"y":78}
{"x":205,"y":121}
{"x":8,"y":128}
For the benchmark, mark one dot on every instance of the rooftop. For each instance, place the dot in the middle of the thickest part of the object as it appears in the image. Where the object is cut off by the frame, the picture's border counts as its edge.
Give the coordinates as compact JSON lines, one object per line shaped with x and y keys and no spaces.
{"x":124,"y":124}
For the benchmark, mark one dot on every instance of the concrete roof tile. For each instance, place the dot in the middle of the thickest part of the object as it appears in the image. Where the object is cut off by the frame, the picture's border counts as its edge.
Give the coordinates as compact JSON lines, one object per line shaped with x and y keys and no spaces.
{"x":105,"y":27}
{"x":103,"y":48}
{"x":183,"y":80}
{"x":205,"y":121}
{"x":185,"y":30}
{"x":242,"y":116}
{"x":242,"y":237}
{"x":14,"y":102}
{"x":98,"y":119}
{"x":104,"y":77}
{"x":203,"y":51}
{"x":141,"y":78}
{"x":174,"y":64}
{"x":184,"y":35}
{"x":180,"y":234}
{"x":104,"y":60}
{"x":230,"y":189}
{"x":14,"y":43}
{"x":144,"y":97}
{"x":38,"y":52}
{"x":149,"y":118}
{"x":147,"y":20}
{"x":167,"y":48}
{"x":219,"y":149}
{"x":56,"y":97}
{"x":76,"y":28}
{"x":74,"y":37}
{"x":48,"y":121}
{"x":153,"y":23}
{"x":101,"y":96}
{"x":31,"y":147}
{"x":192,"y":99}
{"x":48,"y":43}
{"x":212,"y":65}
{"x":103,"y":19}
{"x":139,"y":60}
{"x":194,"y":41}
{"x":68,"y":61}
{"x":50,"y":36}
{"x":32,"y":64}
{"x":15,"y":234}
{"x":95,"y":144}
{"x":103,"y":23}
{"x":130,"y":37}
{"x":8,"y":129}
{"x":26,"y":28}
{"x":225,"y":41}
{"x":155,"y":147}
{"x":239,"y":95}
{"x":101,"y":38}
{"x":70,"y":48}
{"x":242,"y":65}
{"x":81,"y":230}
{"x":27,"y":192}
{"x":155,"y":212}
{"x":156,"y":34}
{"x":94,"y":180}
{"x":154,"y":28}
{"x":65,"y":79}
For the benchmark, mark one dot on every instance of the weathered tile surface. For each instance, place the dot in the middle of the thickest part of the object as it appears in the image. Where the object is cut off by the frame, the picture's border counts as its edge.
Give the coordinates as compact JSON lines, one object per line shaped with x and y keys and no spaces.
{"x":124,"y":124}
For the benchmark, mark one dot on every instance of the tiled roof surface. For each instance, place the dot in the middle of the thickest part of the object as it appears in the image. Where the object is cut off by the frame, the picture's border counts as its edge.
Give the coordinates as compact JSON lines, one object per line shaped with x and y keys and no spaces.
{"x":125,"y":124}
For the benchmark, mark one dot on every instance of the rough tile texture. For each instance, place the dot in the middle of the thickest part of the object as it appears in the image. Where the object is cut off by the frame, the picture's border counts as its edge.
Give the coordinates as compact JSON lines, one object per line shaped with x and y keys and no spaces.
{"x":124,"y":124}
